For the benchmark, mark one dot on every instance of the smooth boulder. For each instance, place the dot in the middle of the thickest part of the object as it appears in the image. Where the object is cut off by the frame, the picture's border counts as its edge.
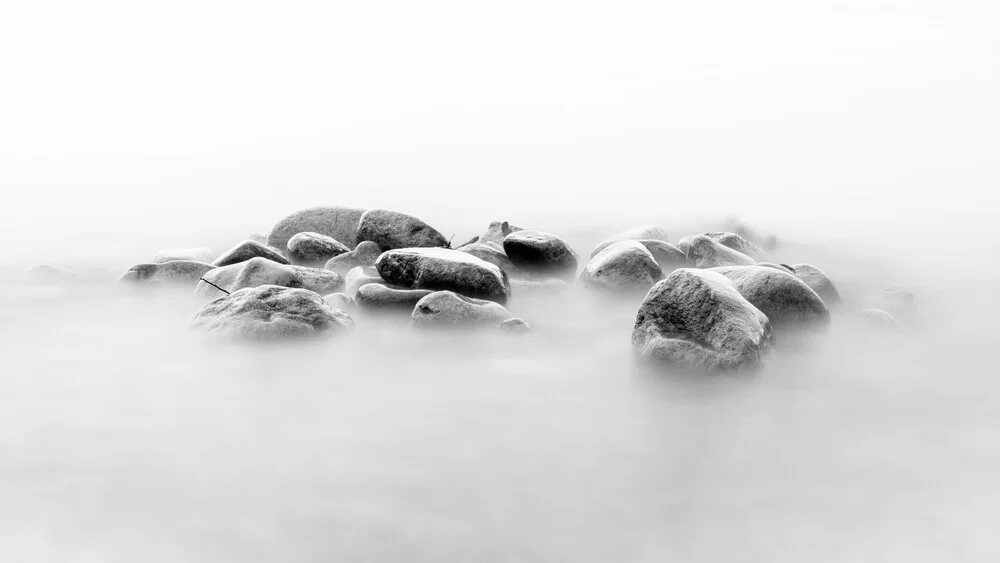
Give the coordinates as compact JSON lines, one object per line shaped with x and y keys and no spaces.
{"x":364,"y":254}
{"x":271,"y":312}
{"x":392,"y":229}
{"x":737,"y":243}
{"x":705,"y":252}
{"x":490,"y":253}
{"x":376,"y":296}
{"x":696,"y":319}
{"x":515,"y":326}
{"x":540,"y":254}
{"x":245,"y":251}
{"x":340,"y":301}
{"x":261,"y":271}
{"x":175,"y":272}
{"x":444,"y":269}
{"x":622,"y":266}
{"x":818,"y":281}
{"x":447,"y":308}
{"x":198,"y":254}
{"x":310,"y":249}
{"x":786,"y":300}
{"x":643,"y":232}
{"x":339,"y":223}
{"x":361,"y":276}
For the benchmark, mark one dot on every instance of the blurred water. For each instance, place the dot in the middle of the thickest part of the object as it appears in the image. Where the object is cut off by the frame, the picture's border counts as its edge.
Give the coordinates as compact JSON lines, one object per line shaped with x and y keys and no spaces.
{"x":124,"y":437}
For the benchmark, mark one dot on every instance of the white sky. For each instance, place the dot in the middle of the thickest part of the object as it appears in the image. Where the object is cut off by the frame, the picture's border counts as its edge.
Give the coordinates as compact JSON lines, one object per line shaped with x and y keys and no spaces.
{"x":179,"y":118}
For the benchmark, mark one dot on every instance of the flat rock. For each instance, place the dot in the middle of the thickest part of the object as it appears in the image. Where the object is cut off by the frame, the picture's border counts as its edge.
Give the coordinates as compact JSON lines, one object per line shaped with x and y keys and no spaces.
{"x":271,"y":312}
{"x":198,"y":254}
{"x":786,"y":300}
{"x":376,"y":296}
{"x":392,"y":229}
{"x":313,"y":249}
{"x":245,"y":251}
{"x":818,"y":281}
{"x":360,"y":276}
{"x":364,"y":254}
{"x":261,"y":271}
{"x":537,"y":253}
{"x":440,"y":269}
{"x":622,"y":266}
{"x":705,"y":252}
{"x":696,"y":319}
{"x":339,"y":223}
{"x":447,"y":308}
{"x":174,"y":272}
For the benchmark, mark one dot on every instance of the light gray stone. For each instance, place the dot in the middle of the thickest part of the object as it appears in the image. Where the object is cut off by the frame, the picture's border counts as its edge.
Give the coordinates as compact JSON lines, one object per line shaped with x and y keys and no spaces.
{"x":271,"y":312}
{"x":245,"y":251}
{"x":392,"y":229}
{"x":786,"y":300}
{"x":175,"y":272}
{"x":364,"y":254}
{"x":705,"y":252}
{"x":339,"y":223}
{"x":360,"y":276}
{"x":443,"y":269}
{"x":818,"y":281}
{"x":198,"y":254}
{"x":313,"y":249}
{"x":447,"y":308}
{"x":261,"y":271}
{"x":375,"y":296}
{"x":625,"y":266}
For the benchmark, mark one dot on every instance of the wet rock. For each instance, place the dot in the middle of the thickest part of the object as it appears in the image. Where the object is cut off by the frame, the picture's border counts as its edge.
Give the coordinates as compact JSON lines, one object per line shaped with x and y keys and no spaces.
{"x":644,"y":232}
{"x":704,"y":252}
{"x":271,"y":312}
{"x":497,"y":231}
{"x":364,"y":254}
{"x":696,"y":319}
{"x":392,"y":229}
{"x":313,"y":249}
{"x":198,"y":254}
{"x":540,"y":254}
{"x":360,"y":276}
{"x":622,"y":266}
{"x":339,"y":223}
{"x":375,"y":296}
{"x":515,"y":326}
{"x":340,"y":301}
{"x":443,"y":269}
{"x":492,"y":254}
{"x":447,"y":308}
{"x":245,"y":251}
{"x":175,"y":272}
{"x":818,"y":281}
{"x":786,"y":300}
{"x":261,"y":271}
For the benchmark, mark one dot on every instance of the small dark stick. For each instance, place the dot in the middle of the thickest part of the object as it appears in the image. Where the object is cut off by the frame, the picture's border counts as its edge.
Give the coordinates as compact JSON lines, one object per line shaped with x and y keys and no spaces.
{"x":215,"y":286}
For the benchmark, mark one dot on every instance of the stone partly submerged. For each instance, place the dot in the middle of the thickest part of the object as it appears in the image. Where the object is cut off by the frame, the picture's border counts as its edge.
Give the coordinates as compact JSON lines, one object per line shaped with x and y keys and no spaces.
{"x":245,"y":251}
{"x":364,"y":254}
{"x":786,"y":300}
{"x":818,"y":281}
{"x":516,"y":326}
{"x":491,"y":254}
{"x":359,"y":277}
{"x":697,"y":320}
{"x":339,"y":223}
{"x":313,"y":249}
{"x":447,"y":308}
{"x":176,"y":273}
{"x":198,"y":254}
{"x":378,"y":297}
{"x":271,"y":312}
{"x":737,"y":243}
{"x":623,"y":266}
{"x":540,"y":254}
{"x":340,"y":301}
{"x":496,"y":232}
{"x":440,"y":269}
{"x":705,"y":252}
{"x":642,"y":232}
{"x":392,"y":229}
{"x":261,"y":271}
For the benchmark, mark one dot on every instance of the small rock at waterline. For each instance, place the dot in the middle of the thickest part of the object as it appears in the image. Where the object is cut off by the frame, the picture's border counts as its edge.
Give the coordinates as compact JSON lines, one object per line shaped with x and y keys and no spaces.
{"x":818,"y":281}
{"x":245,"y":251}
{"x":375,"y":296}
{"x":340,"y":301}
{"x":261,"y":271}
{"x":696,"y":319}
{"x":496,"y":232}
{"x":705,"y":252}
{"x":491,"y":254}
{"x":444,"y":269}
{"x":447,"y":308}
{"x":311,"y":249}
{"x":644,"y":232}
{"x":786,"y":300}
{"x":515,"y":326}
{"x":359,"y":277}
{"x":198,"y":254}
{"x":271,"y":312}
{"x":540,"y":254}
{"x":622,"y":266}
{"x":175,"y":272}
{"x":364,"y":254}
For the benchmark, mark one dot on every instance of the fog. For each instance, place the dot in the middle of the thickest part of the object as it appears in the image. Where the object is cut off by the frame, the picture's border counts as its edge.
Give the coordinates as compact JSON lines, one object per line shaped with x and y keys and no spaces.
{"x":863,"y":135}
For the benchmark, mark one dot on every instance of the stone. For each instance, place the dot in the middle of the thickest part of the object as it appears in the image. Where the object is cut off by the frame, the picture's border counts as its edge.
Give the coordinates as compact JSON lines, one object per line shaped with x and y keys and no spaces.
{"x":787,"y":301}
{"x":737,"y":243}
{"x":375,"y":296}
{"x":198,"y":254}
{"x":818,"y":281}
{"x":339,"y":223}
{"x":447,"y":308}
{"x":497,"y":231}
{"x":696,"y":319}
{"x":490,"y":253}
{"x":782,"y":267}
{"x":174,"y":272}
{"x":515,"y":326}
{"x":444,"y":269}
{"x":271,"y":312}
{"x":340,"y":301}
{"x":392,"y":229}
{"x":540,"y":254}
{"x":705,"y":252}
{"x":360,"y":276}
{"x":364,"y":254}
{"x":245,"y":251}
{"x":261,"y":271}
{"x":643,"y":232}
{"x":312,"y":249}
{"x":668,"y":256}
{"x":622,"y":266}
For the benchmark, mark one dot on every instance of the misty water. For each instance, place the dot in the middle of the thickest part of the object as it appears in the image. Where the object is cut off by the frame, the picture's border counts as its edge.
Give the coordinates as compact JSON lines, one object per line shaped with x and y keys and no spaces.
{"x":124,"y":436}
